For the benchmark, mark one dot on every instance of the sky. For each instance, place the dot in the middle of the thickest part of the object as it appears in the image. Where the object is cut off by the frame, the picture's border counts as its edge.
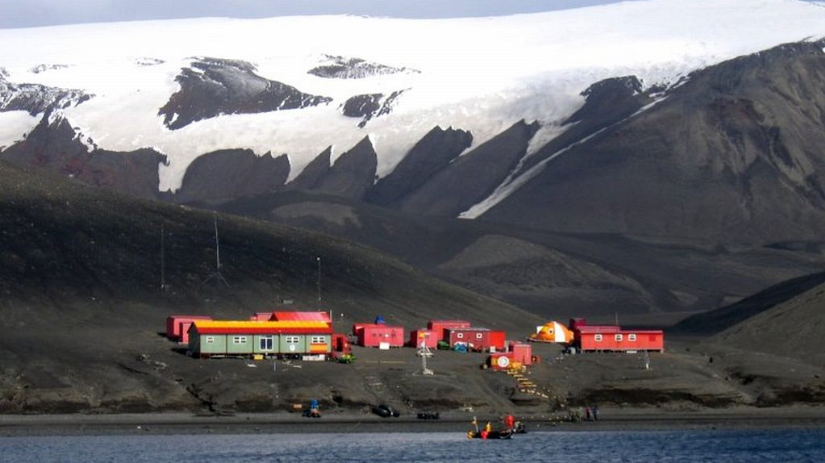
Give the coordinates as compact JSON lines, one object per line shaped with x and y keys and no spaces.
{"x":35,"y":13}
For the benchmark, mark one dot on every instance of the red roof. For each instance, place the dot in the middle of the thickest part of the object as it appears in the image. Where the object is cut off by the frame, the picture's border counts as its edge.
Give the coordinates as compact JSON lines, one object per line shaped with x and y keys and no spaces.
{"x":277,"y":327}
{"x":589,"y":329}
{"x":301,"y":316}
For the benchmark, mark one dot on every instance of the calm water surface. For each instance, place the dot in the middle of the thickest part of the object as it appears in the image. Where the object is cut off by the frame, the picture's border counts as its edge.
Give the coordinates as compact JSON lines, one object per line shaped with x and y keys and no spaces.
{"x":797,"y":446}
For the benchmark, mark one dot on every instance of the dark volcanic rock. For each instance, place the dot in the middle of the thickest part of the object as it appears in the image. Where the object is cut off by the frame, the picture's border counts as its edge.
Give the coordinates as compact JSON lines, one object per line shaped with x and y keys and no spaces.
{"x":314,"y":173}
{"x":607,"y":102}
{"x":54,"y":147}
{"x":214,"y":86}
{"x":472,"y":177}
{"x":723,"y":318}
{"x":368,"y":106}
{"x":362,"y":105}
{"x":37,"y":99}
{"x":353,"y":174}
{"x":735,"y":153}
{"x":229,"y":174}
{"x":353,"y":68}
{"x":429,"y":156}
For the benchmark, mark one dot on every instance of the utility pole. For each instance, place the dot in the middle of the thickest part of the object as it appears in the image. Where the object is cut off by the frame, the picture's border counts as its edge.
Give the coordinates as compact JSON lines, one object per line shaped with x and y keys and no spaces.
{"x":217,"y":273}
{"x":319,"y":278}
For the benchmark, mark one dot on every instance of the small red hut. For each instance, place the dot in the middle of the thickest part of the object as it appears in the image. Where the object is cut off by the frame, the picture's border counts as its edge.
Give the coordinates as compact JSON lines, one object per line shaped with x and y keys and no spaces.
{"x":428,"y":336}
{"x":177,"y":326}
{"x":380,"y":335}
{"x":439,"y":327}
{"x":477,"y":339}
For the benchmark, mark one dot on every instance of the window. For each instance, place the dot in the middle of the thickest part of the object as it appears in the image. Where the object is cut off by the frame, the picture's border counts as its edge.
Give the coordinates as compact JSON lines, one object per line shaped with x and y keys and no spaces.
{"x":210,"y":339}
{"x":318,"y":340}
{"x":478,"y":336}
{"x":460,"y":335}
{"x":267,"y":343}
{"x":631,"y":337}
{"x":239,"y":340}
{"x":619,"y":338}
{"x":292,"y":339}
{"x":597,"y":338}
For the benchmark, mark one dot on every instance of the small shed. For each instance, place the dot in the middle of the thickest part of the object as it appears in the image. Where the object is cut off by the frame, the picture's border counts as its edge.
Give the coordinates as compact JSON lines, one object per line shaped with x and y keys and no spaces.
{"x":375,"y":334}
{"x":477,"y":339}
{"x":428,"y":336}
{"x":521,"y":352}
{"x":176,"y":323}
{"x":439,"y":327}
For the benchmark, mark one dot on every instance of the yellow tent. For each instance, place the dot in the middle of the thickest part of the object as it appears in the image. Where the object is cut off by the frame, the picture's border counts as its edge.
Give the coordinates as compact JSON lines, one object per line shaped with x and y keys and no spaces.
{"x":552,"y":332}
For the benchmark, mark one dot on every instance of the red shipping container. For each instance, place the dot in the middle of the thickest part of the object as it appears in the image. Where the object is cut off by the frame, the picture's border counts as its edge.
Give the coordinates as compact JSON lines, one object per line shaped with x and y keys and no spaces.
{"x":522,"y":353}
{"x":440,"y":327}
{"x":358,"y":326}
{"x":372,"y":335}
{"x":428,"y":336}
{"x":477,"y":339}
{"x":173,"y":324}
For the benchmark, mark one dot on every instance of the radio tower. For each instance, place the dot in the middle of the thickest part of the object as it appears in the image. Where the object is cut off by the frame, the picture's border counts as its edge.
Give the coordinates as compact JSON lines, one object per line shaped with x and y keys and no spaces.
{"x":217,"y":273}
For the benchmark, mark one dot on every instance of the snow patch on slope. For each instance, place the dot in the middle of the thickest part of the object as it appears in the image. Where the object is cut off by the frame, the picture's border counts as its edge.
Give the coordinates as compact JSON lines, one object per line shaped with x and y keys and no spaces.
{"x":477,"y":74}
{"x":14,"y":126}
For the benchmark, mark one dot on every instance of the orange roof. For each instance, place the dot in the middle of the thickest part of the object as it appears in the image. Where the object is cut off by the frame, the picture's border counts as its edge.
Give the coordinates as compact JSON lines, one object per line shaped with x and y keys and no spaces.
{"x":254,"y":327}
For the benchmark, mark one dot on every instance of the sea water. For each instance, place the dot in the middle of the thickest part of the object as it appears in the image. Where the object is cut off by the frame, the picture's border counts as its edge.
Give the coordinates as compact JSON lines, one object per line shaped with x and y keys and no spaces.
{"x":727,"y":446}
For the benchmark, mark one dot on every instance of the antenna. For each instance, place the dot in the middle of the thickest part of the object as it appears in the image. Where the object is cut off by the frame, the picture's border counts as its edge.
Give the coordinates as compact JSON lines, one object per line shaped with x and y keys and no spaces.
{"x":424,"y":352}
{"x":319,"y":278}
{"x":217,"y":273}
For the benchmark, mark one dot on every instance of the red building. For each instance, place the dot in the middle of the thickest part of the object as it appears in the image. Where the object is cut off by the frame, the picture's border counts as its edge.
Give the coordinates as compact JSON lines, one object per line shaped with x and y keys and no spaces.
{"x":177,"y":326}
{"x":377,"y":335}
{"x":301,"y":316}
{"x":477,"y":339}
{"x":615,"y":339}
{"x":521,"y":352}
{"x":440,"y":327}
{"x":429,"y":337}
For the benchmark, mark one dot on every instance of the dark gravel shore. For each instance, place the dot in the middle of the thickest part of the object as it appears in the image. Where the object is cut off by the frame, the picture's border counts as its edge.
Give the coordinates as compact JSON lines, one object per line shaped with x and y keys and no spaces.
{"x":609,"y":420}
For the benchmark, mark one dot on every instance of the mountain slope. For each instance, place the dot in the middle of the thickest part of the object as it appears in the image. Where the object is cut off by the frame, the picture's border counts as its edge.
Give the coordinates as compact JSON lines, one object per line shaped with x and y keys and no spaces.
{"x":81,"y":272}
{"x":792,"y":328}
{"x":233,"y":89}
{"x":731,"y":154}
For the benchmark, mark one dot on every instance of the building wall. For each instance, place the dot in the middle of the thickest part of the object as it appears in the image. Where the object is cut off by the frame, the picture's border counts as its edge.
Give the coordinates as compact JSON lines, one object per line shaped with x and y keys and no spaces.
{"x":239,"y":344}
{"x":293,"y":344}
{"x":217,"y":346}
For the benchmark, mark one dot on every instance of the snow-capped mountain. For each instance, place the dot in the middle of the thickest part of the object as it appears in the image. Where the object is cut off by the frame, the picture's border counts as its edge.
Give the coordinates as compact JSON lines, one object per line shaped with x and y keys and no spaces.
{"x":633,"y":128}
{"x":298,"y":85}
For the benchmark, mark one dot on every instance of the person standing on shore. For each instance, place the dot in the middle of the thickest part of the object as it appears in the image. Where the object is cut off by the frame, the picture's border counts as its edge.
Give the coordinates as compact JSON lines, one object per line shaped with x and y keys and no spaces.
{"x":595,"y":413}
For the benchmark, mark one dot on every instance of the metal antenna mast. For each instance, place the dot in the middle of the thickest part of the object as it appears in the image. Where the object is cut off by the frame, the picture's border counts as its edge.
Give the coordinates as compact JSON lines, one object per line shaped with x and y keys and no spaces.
{"x":217,"y":273}
{"x":424,"y":352}
{"x":319,"y":278}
